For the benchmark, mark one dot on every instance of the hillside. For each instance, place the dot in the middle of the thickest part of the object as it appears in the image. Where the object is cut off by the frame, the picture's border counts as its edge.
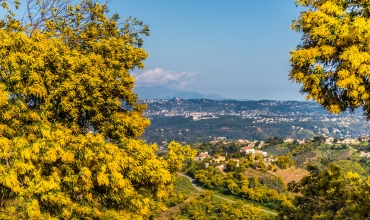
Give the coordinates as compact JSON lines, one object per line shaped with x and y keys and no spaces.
{"x":200,"y":120}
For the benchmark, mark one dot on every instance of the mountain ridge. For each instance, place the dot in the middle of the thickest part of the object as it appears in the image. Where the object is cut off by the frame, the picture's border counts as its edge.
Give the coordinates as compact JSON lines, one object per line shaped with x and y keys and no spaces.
{"x":163,"y":92}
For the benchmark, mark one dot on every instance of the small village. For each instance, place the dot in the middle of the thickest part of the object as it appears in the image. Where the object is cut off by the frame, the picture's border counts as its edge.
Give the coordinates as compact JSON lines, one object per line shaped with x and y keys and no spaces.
{"x":254,"y":148}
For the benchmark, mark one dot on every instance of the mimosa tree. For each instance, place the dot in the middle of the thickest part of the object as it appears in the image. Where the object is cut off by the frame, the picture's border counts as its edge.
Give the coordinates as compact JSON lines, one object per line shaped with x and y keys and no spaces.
{"x":332,"y":62}
{"x":69,"y":120}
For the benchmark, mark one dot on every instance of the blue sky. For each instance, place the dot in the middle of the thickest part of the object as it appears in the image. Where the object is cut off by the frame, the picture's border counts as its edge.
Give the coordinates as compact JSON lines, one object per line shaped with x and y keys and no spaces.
{"x":238,"y":49}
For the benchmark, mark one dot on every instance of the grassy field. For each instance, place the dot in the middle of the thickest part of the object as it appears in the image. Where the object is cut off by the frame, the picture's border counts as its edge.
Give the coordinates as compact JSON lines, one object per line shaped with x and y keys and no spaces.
{"x":291,"y":174}
{"x":364,"y":143}
{"x":245,"y":201}
{"x":263,"y":215}
{"x":183,"y":185}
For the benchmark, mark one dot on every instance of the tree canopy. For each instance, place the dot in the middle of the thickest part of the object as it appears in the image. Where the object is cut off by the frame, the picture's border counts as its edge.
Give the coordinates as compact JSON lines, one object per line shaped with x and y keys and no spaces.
{"x":204,"y":208}
{"x":329,"y":194}
{"x":69,"y":119}
{"x":332,"y":60}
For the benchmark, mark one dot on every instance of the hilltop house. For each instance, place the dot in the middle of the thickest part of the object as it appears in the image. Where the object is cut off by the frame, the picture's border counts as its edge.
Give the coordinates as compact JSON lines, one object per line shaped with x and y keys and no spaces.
{"x":219,"y":159}
{"x":201,"y":156}
{"x":289,"y":140}
{"x":363,"y":154}
{"x":247,"y":150}
{"x":241,"y":141}
{"x":263,"y":153}
{"x":349,"y":141}
{"x":329,"y":140}
{"x":269,"y":159}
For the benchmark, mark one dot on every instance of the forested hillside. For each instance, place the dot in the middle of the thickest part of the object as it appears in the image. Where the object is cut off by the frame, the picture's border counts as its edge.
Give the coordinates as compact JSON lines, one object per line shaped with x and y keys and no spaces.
{"x":286,"y":180}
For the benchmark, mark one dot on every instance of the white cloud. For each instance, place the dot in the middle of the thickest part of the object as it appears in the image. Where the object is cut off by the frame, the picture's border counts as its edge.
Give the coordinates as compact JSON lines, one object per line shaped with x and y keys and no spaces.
{"x":159,"y":76}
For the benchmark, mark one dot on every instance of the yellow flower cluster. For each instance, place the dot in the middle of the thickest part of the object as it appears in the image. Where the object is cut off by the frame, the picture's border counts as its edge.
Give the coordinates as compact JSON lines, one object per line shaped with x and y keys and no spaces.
{"x":70,"y":122}
{"x":332,"y":62}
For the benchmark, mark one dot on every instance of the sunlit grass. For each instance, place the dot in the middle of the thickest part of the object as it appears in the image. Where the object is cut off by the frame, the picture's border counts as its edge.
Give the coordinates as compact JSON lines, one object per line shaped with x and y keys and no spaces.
{"x":184,"y":186}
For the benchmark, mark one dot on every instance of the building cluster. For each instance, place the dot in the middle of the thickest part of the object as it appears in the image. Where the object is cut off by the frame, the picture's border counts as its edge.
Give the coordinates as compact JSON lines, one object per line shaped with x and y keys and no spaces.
{"x":266,"y":113}
{"x":201,"y":156}
{"x":251,"y":148}
{"x":364,"y":154}
{"x":246,"y":150}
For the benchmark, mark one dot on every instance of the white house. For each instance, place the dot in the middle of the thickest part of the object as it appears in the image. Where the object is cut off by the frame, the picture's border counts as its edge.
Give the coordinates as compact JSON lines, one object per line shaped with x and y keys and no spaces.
{"x":247,"y":150}
{"x":363,"y":154}
{"x":263,"y":153}
{"x":202,"y":156}
{"x":329,"y":140}
{"x":289,"y":140}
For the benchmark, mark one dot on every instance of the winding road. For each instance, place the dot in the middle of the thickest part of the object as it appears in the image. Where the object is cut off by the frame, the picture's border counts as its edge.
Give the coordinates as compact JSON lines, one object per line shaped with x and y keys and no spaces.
{"x":220,"y":197}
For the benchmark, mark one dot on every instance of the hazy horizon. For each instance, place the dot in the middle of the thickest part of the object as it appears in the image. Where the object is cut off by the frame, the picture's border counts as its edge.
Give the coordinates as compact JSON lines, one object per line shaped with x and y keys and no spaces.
{"x":150,"y":91}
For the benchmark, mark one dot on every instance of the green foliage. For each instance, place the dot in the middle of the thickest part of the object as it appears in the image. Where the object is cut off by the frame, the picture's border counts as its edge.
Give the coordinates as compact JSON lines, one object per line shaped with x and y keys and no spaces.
{"x":277,"y":150}
{"x":274,"y":141}
{"x":273,"y":182}
{"x":232,"y":149}
{"x":184,"y":186}
{"x":301,"y":149}
{"x":329,"y":194}
{"x":263,"y":189}
{"x":350,"y":166}
{"x":181,"y":191}
{"x":284,"y":162}
{"x":320,"y":139}
{"x":204,"y":208}
{"x":301,"y":159}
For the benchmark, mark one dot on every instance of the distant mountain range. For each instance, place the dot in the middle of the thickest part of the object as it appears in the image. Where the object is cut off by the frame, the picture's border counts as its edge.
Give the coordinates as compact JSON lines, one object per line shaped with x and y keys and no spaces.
{"x":162,"y":92}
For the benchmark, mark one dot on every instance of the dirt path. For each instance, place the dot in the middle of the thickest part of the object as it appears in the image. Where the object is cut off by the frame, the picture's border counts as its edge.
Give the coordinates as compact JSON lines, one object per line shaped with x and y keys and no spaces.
{"x":220,"y":197}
